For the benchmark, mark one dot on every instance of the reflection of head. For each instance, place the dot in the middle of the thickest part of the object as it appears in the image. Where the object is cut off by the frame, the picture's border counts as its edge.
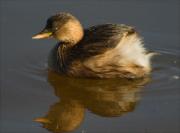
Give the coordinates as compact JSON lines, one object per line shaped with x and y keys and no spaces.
{"x":63,"y":116}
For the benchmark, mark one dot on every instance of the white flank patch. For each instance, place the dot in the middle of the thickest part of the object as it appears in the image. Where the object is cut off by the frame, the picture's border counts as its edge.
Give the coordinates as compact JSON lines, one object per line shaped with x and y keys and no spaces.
{"x":128,"y":52}
{"x":132,"y":51}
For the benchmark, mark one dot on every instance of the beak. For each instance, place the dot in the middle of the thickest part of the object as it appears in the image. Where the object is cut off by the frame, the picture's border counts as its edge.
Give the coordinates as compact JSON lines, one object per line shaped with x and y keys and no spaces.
{"x":42,"y":120}
{"x":43,"y":34}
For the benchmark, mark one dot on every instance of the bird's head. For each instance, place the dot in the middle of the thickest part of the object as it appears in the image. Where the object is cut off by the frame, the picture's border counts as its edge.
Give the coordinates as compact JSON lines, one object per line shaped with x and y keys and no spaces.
{"x":63,"y":27}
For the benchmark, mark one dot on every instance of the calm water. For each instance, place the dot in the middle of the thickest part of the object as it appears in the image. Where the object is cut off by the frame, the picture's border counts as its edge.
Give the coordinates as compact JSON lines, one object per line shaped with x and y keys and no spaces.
{"x":29,"y":91}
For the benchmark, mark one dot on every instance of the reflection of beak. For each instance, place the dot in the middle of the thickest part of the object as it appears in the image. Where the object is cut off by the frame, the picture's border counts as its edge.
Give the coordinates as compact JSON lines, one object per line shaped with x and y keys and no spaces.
{"x":43,"y":34}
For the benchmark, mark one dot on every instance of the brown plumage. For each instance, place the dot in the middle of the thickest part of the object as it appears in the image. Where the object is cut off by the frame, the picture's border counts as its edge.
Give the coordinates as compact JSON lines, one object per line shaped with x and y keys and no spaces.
{"x":103,"y":51}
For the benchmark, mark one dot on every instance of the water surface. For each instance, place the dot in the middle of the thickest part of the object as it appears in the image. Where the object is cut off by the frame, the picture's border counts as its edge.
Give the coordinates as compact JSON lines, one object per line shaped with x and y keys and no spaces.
{"x":29,"y":90}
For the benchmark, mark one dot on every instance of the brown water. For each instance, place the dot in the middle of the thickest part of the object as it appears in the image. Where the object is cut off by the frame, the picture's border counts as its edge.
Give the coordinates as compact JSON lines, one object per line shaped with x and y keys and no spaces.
{"x":29,"y":91}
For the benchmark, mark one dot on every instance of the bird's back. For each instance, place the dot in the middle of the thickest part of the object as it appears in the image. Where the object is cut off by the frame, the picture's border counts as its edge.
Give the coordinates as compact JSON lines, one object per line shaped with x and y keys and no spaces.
{"x":100,"y":38}
{"x":108,"y":51}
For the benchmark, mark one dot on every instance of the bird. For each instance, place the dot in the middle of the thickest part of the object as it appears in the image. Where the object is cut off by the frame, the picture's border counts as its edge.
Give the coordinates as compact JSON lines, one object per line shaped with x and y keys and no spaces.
{"x":100,"y":51}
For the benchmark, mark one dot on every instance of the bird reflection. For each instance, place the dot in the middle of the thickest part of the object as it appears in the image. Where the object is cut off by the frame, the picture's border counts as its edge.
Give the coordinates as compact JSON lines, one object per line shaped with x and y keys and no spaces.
{"x":103,"y":97}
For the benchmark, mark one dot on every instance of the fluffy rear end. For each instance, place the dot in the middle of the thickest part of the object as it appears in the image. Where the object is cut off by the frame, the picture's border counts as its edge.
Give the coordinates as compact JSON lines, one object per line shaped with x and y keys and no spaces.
{"x":128,"y":59}
{"x":132,"y":52}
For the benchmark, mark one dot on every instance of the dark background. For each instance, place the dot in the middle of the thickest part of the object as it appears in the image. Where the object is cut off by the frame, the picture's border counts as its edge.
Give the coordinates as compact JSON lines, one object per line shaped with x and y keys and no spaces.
{"x":26,"y":94}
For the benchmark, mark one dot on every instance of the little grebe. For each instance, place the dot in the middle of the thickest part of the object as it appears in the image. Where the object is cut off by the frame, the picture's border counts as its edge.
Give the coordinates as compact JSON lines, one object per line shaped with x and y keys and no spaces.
{"x":104,"y":51}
